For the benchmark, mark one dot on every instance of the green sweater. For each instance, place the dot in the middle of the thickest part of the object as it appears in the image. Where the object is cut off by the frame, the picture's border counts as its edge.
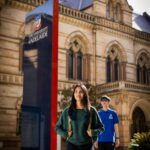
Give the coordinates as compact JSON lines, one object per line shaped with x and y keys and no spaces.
{"x":79,"y":126}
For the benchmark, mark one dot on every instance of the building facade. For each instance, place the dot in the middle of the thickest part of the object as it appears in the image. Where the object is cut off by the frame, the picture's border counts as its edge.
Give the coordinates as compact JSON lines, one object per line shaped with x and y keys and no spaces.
{"x":97,"y":44}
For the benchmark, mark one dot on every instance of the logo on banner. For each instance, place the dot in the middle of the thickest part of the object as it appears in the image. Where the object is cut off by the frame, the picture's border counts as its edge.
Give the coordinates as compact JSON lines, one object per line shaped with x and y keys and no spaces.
{"x":38,"y":35}
{"x":37,"y":23}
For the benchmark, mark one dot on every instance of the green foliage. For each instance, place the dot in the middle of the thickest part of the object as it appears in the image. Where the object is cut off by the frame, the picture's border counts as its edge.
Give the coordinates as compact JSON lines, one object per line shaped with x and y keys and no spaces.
{"x":141,"y":141}
{"x":92,"y":92}
{"x":67,"y":93}
{"x":65,"y":98}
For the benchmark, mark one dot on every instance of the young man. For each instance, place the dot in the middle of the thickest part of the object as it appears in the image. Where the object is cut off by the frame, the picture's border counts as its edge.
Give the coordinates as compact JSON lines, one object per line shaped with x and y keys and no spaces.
{"x":109,"y":139}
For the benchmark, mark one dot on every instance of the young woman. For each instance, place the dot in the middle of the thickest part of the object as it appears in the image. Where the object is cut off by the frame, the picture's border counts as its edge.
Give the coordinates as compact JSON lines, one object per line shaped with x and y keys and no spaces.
{"x":79,"y":123}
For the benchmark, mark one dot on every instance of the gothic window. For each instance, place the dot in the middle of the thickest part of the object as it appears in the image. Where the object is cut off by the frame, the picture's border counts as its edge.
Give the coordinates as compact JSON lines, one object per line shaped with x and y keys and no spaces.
{"x":79,"y":65}
{"x":109,"y":10}
{"x":77,"y":61}
{"x":70,"y":64}
{"x":143,"y":73}
{"x":108,"y":69}
{"x":118,"y":13}
{"x":115,"y":67}
{"x":138,"y":73}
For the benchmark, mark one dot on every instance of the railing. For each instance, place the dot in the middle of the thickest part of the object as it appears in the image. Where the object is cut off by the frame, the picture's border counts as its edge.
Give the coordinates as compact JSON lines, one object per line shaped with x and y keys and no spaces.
{"x":122,"y":85}
{"x":103,"y":22}
{"x":75,"y":13}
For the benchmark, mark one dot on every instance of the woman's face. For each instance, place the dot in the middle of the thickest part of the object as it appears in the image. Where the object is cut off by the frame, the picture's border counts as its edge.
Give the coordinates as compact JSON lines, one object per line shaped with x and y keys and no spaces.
{"x":78,"y":94}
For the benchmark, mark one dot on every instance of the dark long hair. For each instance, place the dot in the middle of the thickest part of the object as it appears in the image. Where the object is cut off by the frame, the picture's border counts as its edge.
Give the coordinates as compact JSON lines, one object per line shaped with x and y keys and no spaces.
{"x":85,"y":101}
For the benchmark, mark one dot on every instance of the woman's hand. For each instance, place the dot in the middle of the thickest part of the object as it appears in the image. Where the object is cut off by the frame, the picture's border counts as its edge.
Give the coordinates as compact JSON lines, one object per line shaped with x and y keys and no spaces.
{"x":96,"y":144}
{"x":89,"y":132}
{"x":69,"y":133}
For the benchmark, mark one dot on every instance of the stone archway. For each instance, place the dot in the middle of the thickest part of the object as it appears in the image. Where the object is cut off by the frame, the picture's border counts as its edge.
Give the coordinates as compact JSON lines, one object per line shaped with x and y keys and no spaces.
{"x":139,"y":121}
{"x":139,"y":116}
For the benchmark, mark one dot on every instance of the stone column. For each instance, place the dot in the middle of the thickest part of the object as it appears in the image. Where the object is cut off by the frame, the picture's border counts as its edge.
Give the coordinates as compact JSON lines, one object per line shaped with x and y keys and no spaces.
{"x":10,"y":105}
{"x":122,"y":106}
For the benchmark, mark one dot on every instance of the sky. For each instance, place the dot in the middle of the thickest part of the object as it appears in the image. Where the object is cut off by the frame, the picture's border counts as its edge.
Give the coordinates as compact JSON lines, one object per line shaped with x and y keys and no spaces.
{"x":140,"y":6}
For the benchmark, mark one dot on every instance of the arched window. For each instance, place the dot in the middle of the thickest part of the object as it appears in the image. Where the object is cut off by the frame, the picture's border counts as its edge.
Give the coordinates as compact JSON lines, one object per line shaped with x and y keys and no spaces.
{"x":70,"y":64}
{"x":110,"y":10}
{"x":108,"y":69}
{"x":143,"y":74}
{"x":118,"y":13}
{"x":115,"y":67}
{"x":138,"y":73}
{"x":79,"y":65}
{"x":139,"y":121}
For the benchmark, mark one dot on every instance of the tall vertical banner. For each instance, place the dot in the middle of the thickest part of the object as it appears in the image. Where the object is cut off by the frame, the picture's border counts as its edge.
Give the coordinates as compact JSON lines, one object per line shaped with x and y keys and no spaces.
{"x":39,"y":104}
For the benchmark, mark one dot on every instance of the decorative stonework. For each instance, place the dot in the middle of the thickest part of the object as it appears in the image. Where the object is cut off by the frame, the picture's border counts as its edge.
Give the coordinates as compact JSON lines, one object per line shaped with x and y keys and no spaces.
{"x":122,"y":85}
{"x":103,"y":28}
{"x":79,"y":35}
{"x":142,"y":51}
{"x":123,"y":117}
{"x":85,"y":17}
{"x":11,"y":79}
{"x":26,"y":5}
{"x":119,"y":47}
{"x":76,"y":14}
{"x":73,"y":21}
{"x":19,"y":5}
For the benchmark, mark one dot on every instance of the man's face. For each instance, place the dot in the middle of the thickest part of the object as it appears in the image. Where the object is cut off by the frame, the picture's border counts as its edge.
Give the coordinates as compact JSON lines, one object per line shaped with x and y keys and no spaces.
{"x":105,"y":102}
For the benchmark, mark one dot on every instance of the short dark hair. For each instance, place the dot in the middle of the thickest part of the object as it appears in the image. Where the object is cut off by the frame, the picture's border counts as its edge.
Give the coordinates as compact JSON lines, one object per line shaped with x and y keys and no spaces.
{"x":105,"y":97}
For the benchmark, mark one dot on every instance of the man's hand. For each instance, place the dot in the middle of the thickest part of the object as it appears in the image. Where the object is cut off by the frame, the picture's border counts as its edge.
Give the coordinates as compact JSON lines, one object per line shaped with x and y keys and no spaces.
{"x":117,"y":143}
{"x":96,"y":144}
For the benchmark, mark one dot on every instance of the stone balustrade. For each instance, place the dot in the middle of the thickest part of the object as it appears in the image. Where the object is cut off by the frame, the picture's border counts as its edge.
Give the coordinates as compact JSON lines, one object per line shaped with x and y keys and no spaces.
{"x":107,"y":87}
{"x":95,"y":20}
{"x":76,"y":14}
{"x":122,"y":85}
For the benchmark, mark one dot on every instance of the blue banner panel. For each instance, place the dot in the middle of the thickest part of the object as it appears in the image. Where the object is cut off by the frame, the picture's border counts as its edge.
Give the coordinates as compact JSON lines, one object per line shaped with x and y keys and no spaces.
{"x":37,"y":69}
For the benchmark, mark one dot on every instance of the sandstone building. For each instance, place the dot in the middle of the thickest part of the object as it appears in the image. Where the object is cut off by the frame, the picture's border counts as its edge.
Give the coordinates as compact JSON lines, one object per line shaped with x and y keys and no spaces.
{"x":98,"y":43}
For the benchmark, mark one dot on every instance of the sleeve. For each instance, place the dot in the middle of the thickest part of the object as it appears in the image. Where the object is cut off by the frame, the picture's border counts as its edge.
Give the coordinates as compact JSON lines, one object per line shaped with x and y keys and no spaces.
{"x":116,"y":119}
{"x":61,"y":125}
{"x":97,"y":125}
